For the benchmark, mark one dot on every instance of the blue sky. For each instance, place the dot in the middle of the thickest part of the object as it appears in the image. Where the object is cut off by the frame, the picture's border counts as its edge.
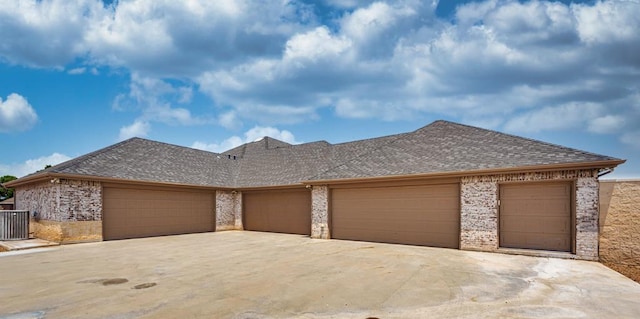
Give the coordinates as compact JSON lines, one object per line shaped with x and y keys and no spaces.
{"x":79,"y":75}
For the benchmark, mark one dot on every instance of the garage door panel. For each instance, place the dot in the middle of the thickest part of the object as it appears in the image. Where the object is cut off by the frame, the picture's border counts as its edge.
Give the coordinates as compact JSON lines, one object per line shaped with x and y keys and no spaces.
{"x":417,"y":215}
{"x":550,"y":225}
{"x":536,"y":208}
{"x":536,"y":216}
{"x":280,"y":211}
{"x":542,"y":241}
{"x":133,"y":213}
{"x":521,"y":192}
{"x":395,"y":237}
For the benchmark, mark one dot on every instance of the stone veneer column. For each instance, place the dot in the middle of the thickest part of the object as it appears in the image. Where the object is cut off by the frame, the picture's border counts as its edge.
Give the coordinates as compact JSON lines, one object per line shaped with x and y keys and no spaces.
{"x":478,"y":215}
{"x":228,"y":210}
{"x":587,"y":218}
{"x":320,"y":212}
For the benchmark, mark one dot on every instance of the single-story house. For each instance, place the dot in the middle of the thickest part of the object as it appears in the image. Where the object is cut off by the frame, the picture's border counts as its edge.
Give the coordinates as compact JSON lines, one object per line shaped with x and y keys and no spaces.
{"x":7,"y":204}
{"x":443,"y":185}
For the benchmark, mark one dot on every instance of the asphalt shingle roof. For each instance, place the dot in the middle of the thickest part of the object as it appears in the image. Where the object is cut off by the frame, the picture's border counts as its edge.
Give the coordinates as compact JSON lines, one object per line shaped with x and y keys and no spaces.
{"x":439,"y":147}
{"x":449,"y":147}
{"x":144,"y":160}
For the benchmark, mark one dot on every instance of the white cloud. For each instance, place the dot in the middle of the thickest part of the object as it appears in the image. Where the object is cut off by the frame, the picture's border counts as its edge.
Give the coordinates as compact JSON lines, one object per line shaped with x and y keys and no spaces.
{"x":316,"y":44}
{"x":365,"y":23}
{"x":229,"y":120}
{"x":153,"y":98}
{"x":185,"y":37}
{"x":46,"y":33}
{"x":185,"y":94}
{"x":361,"y":108}
{"x":16,"y":114}
{"x":631,"y":138}
{"x":76,"y":71}
{"x":169,"y":115}
{"x":259,"y":132}
{"x":32,"y":165}
{"x":178,"y":37}
{"x":136,"y":129}
{"x":503,"y":59}
{"x":606,"y":124}
{"x":608,"y":21}
{"x":567,"y":116}
{"x":508,"y":62}
{"x":474,"y":12}
{"x":252,"y":135}
{"x":347,"y":3}
{"x":225,"y":145}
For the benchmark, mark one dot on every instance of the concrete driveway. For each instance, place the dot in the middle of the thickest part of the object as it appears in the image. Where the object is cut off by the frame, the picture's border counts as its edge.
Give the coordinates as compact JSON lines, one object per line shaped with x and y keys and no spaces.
{"x":261,"y":275}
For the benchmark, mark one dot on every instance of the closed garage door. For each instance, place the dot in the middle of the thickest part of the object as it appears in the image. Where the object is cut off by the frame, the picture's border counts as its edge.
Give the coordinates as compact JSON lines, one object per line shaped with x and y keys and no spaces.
{"x":536,"y":216}
{"x":280,"y":211}
{"x":426,"y":215}
{"x":132,"y":213}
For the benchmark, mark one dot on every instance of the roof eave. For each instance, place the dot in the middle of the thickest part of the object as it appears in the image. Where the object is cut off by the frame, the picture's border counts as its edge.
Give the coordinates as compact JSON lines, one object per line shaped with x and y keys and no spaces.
{"x":548,"y":167}
{"x":490,"y":171}
{"x":28,"y":179}
{"x":51,"y":175}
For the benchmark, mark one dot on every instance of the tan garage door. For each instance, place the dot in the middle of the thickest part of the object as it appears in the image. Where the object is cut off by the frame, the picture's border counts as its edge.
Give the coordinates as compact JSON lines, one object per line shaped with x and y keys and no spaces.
{"x":132,"y":213}
{"x":280,"y":211}
{"x":416,"y":215}
{"x":536,"y":216}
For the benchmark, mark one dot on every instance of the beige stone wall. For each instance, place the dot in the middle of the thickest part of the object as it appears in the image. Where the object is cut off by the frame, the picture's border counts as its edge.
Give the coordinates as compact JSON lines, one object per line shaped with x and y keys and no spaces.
{"x":620,"y":226}
{"x":320,"y":212}
{"x":67,"y":232}
{"x":228,"y":210}
{"x":66,"y":210}
{"x":479,"y":209}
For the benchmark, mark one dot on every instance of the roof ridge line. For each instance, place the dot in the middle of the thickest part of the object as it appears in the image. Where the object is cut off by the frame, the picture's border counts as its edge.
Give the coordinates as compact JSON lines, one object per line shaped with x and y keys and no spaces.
{"x":397,"y":136}
{"x":174,"y":145}
{"x":528,"y":139}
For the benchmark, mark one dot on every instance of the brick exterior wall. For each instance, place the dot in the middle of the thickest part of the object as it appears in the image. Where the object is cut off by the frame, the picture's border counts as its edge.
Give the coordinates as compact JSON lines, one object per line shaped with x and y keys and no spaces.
{"x":587,"y":218}
{"x":66,"y":200}
{"x":67,"y":210}
{"x":228,"y":210}
{"x":80,"y":200}
{"x":479,"y":208}
{"x":479,"y":214}
{"x":40,"y":198}
{"x":320,"y":212}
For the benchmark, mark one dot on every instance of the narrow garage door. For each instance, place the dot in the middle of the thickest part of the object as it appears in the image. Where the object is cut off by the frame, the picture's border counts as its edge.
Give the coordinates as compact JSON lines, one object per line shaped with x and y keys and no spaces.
{"x":280,"y":211}
{"x":132,"y":213}
{"x":536,"y":216}
{"x":426,"y":215}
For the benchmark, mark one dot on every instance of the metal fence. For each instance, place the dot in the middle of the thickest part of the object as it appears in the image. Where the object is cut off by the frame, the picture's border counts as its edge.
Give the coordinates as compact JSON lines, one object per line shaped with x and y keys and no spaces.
{"x":14,"y":224}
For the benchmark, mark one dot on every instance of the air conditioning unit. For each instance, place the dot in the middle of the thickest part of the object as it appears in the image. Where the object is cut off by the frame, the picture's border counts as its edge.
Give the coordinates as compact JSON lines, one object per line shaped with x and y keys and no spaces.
{"x":14,"y":224}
